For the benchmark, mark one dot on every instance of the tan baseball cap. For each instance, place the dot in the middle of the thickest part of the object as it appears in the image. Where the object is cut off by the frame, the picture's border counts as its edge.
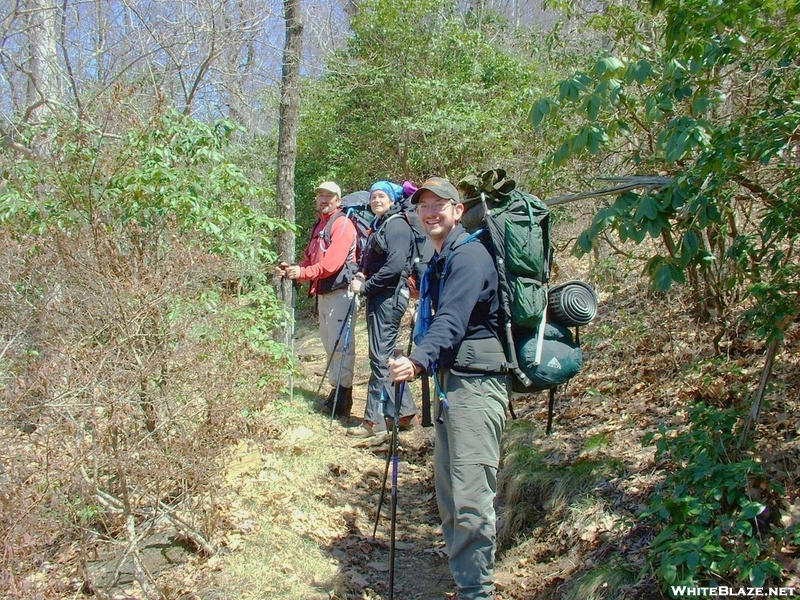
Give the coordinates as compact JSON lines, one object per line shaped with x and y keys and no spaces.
{"x":329,"y":186}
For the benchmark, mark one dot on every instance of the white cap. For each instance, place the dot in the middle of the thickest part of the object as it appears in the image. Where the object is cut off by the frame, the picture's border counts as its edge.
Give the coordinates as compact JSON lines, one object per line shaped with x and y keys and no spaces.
{"x":329,"y":186}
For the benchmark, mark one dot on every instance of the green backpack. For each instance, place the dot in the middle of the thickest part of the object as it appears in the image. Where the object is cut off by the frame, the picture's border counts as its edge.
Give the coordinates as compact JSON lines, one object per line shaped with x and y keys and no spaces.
{"x":517,"y":233}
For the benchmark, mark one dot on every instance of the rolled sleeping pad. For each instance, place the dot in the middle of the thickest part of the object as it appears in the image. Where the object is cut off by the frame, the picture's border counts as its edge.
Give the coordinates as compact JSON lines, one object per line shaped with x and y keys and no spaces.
{"x":571,"y":303}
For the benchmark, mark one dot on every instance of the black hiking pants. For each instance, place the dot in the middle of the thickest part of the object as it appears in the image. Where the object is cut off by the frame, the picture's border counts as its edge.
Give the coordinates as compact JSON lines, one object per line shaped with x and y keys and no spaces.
{"x":385,"y":310}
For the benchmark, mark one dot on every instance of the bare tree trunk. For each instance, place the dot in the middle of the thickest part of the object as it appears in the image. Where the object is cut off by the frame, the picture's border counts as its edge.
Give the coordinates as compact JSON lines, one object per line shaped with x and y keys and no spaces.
{"x":42,"y":69}
{"x":287,"y":130}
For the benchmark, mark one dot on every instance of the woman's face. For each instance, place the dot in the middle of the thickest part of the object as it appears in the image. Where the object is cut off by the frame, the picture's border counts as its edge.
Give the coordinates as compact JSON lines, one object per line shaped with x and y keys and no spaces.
{"x":379,"y":202}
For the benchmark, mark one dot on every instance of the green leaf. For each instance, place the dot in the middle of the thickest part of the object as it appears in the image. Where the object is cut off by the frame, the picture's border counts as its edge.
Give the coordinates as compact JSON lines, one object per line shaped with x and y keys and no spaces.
{"x":662,"y":278}
{"x":648,"y":209}
{"x":624,"y":128}
{"x":757,"y":576}
{"x":597,"y":138}
{"x":607,"y":66}
{"x":676,"y":148}
{"x":751,"y":510}
{"x":691,"y":243}
{"x":700,"y":104}
{"x":639,"y":71}
{"x":692,"y":560}
{"x":580,"y":141}
{"x":669,"y":572}
{"x":567,"y":90}
{"x":562,"y":153}
{"x":593,"y":105}
{"x":583,"y":245}
{"x":677,"y":274}
{"x":541,"y":110}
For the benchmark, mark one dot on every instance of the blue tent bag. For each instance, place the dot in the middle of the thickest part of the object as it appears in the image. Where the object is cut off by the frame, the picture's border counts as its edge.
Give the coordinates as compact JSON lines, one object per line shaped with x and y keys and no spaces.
{"x":561,"y":357}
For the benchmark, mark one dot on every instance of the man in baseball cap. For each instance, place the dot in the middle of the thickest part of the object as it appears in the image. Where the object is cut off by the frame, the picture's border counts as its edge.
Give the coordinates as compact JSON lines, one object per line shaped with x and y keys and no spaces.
{"x":458,"y":324}
{"x":329,"y":263}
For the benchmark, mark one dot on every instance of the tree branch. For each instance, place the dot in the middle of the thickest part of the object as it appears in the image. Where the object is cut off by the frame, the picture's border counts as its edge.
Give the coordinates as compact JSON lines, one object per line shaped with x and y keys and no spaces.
{"x":649,"y":182}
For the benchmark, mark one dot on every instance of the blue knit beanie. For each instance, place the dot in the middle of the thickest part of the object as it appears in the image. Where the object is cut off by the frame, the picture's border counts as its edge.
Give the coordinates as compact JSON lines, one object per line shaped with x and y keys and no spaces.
{"x":394,"y":191}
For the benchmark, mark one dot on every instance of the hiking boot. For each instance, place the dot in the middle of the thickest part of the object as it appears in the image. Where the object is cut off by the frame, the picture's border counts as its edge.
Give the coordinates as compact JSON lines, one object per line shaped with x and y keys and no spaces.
{"x":344,"y":402}
{"x":406,"y":423}
{"x":365,"y":430}
{"x":325,"y":405}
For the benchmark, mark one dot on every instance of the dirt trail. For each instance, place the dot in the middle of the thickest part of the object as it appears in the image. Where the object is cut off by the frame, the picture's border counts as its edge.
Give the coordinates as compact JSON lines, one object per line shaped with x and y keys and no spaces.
{"x":302,"y":506}
{"x":421,"y":571}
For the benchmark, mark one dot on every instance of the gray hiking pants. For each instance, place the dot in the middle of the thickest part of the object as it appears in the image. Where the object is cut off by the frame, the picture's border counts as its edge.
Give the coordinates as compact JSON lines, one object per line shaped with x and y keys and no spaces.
{"x":332,"y":308}
{"x":466,"y":458}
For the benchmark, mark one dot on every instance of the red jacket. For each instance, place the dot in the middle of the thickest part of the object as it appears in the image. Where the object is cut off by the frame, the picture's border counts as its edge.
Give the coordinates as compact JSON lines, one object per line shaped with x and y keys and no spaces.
{"x":324,"y":260}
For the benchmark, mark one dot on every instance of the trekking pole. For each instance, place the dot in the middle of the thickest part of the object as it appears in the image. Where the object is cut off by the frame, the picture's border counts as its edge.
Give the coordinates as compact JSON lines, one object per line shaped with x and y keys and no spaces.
{"x":333,"y":351}
{"x":348,"y":320}
{"x":291,"y":346}
{"x":289,"y":330}
{"x":397,"y":401}
{"x":399,"y":388}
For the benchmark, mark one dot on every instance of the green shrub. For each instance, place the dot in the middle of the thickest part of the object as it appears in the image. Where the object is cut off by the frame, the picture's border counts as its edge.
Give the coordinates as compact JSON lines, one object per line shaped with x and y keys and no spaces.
{"x":711,"y":530}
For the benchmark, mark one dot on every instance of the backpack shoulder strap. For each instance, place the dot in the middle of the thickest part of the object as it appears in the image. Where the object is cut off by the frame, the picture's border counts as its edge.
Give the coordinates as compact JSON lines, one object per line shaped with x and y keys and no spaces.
{"x":466,"y":238}
{"x":313,"y":229}
{"x":462,"y":239}
{"x":326,"y":233}
{"x":385,"y":221}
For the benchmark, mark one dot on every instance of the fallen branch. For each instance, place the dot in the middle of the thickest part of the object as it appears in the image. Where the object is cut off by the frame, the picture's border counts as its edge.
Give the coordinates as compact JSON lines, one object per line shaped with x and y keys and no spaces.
{"x":115,"y":505}
{"x":187,"y":530}
{"x":140,"y":572}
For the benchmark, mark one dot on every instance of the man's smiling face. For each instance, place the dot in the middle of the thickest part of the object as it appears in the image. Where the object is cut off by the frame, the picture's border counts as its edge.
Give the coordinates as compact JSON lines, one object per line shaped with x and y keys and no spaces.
{"x":438,"y":215}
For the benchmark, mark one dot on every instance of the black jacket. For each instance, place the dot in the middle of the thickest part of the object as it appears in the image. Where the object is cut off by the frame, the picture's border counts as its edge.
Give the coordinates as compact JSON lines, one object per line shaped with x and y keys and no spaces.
{"x":468,"y":307}
{"x":388,"y":252}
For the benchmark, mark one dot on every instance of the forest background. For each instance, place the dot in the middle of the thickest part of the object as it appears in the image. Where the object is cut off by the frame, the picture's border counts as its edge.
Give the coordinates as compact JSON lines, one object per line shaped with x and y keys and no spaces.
{"x":159,"y":157}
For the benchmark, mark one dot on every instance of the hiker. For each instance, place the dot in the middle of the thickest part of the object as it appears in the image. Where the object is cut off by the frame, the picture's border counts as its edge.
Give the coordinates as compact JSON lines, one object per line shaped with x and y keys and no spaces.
{"x":460,"y":344}
{"x":383,"y":280}
{"x":329,"y":264}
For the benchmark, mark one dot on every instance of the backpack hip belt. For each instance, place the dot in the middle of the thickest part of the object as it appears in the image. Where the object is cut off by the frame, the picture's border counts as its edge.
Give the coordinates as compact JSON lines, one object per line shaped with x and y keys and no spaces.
{"x":480,"y":356}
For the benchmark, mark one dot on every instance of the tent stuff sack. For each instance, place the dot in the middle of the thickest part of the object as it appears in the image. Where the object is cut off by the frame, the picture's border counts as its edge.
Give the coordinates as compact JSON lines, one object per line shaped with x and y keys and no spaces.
{"x":571,"y":304}
{"x":560,"y":361}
